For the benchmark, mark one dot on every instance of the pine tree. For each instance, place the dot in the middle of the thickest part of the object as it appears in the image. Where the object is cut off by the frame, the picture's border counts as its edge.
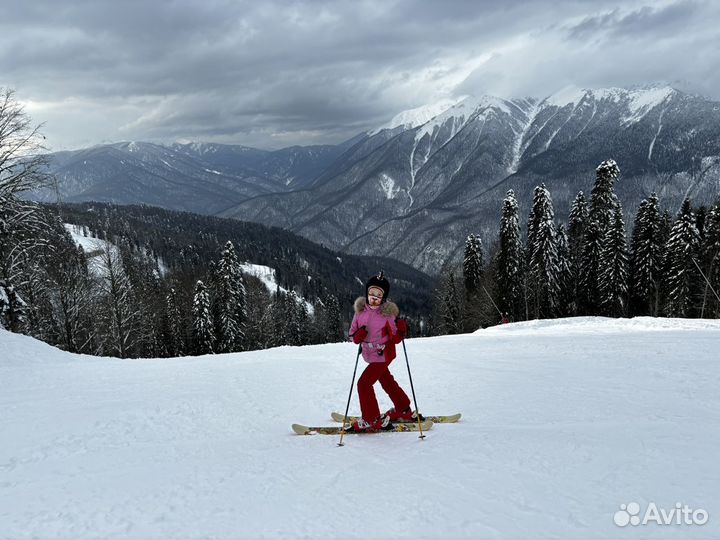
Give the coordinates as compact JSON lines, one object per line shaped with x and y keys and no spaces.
{"x":297,"y":320}
{"x":203,"y":334}
{"x":587,"y":292}
{"x":647,"y":258}
{"x":279,"y":319}
{"x":566,"y":294}
{"x":472,"y":275}
{"x":577,"y":220}
{"x":683,"y":279}
{"x":509,"y":259}
{"x":603,"y":203}
{"x":175,"y":342}
{"x":334,"y":327}
{"x":543,"y":263}
{"x":613,"y":271}
{"x":545,"y":269}
{"x":576,"y":225}
{"x":473,"y":266}
{"x":711,"y":263}
{"x":230,"y":296}
{"x":666,"y":224}
{"x":450,"y":309}
{"x":603,"y":200}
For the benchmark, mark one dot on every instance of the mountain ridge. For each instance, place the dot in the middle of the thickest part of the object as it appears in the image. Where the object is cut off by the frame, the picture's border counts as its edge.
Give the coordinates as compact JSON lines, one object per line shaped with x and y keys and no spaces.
{"x":434,"y":183}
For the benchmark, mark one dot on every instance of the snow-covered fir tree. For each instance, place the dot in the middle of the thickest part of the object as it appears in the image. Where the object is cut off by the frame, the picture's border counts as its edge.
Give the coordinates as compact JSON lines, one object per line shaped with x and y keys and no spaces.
{"x":566,"y":295}
{"x":175,"y":339}
{"x":603,"y":200}
{"x":473,"y":266}
{"x":543,"y":264}
{"x":647,"y":255}
{"x":576,"y":225}
{"x":297,"y":327}
{"x":613,"y":271}
{"x":683,"y":250}
{"x":587,"y":288}
{"x":711,"y":263}
{"x":538,"y":213}
{"x":334,"y":329}
{"x":576,"y":237}
{"x":230,"y":298}
{"x":509,"y":260}
{"x":279,"y":319}
{"x":545,"y":270}
{"x":450,"y":307}
{"x":202,"y":323}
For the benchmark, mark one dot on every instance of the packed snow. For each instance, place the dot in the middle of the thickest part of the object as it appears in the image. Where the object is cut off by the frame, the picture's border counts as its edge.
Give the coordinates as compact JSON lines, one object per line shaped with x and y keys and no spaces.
{"x":563,"y":422}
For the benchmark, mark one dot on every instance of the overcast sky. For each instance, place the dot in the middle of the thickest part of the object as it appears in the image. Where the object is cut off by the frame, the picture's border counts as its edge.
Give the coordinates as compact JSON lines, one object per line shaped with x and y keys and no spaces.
{"x":275,"y":73}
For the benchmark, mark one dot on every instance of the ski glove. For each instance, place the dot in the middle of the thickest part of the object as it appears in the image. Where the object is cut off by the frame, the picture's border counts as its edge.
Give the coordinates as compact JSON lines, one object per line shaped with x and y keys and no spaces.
{"x":359,"y":335}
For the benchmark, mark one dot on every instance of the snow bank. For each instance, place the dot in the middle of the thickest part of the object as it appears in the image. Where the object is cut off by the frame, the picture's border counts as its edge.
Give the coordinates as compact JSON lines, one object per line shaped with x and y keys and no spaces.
{"x":563,"y":422}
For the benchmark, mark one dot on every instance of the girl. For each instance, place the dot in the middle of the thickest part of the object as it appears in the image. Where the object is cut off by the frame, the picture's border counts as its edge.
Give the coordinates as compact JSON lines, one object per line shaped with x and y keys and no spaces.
{"x":374,"y":326}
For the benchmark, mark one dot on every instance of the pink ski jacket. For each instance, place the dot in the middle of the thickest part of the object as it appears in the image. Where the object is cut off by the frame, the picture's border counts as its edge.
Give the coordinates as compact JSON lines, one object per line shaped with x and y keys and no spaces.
{"x":379,"y":345}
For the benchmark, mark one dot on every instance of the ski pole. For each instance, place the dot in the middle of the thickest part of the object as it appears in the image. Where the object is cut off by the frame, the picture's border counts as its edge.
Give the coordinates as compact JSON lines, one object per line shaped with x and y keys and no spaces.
{"x":352,"y":384}
{"x":407,"y":362}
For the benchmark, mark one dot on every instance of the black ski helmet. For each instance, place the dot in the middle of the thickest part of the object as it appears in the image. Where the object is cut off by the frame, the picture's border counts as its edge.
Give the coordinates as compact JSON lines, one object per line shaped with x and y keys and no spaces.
{"x":379,"y":281}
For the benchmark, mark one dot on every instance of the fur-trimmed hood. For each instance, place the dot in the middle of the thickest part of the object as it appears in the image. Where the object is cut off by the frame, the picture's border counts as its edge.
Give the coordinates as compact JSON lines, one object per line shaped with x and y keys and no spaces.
{"x":388,"y":308}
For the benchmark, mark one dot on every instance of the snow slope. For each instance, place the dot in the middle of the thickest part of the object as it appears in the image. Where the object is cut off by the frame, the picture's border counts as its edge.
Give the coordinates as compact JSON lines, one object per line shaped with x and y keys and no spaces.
{"x":267,"y":276}
{"x":563,"y":422}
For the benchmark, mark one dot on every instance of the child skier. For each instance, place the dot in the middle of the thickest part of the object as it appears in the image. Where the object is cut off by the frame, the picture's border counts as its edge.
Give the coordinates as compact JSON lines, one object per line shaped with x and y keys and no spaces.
{"x":374,"y":326}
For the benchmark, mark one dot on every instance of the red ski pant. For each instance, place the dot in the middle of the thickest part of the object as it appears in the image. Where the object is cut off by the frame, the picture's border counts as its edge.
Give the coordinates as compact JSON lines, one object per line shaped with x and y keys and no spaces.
{"x":379,"y":372}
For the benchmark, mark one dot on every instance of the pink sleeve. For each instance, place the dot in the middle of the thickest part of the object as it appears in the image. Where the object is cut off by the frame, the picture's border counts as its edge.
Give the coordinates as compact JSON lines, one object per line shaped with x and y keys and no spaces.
{"x":353,"y":326}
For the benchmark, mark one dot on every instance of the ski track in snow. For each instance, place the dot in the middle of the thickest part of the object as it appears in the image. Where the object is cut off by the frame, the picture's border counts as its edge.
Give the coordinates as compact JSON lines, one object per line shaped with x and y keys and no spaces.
{"x":563,"y":421}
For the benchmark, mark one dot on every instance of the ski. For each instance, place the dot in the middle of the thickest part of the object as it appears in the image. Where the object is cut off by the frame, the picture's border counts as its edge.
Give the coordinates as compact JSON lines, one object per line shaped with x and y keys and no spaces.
{"x":447,"y":419}
{"x":335,"y":430}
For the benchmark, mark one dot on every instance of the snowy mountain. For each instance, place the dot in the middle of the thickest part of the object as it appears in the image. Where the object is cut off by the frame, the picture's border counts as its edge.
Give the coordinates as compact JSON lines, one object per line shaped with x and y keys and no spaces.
{"x":563,"y":422}
{"x":418,"y":192}
{"x":196,"y":177}
{"x":416,"y":117}
{"x":416,"y":187}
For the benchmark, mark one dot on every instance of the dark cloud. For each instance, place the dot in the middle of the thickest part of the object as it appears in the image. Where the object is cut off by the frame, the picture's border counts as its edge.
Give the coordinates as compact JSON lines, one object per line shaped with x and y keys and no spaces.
{"x":647,"y":21}
{"x":285,"y":72}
